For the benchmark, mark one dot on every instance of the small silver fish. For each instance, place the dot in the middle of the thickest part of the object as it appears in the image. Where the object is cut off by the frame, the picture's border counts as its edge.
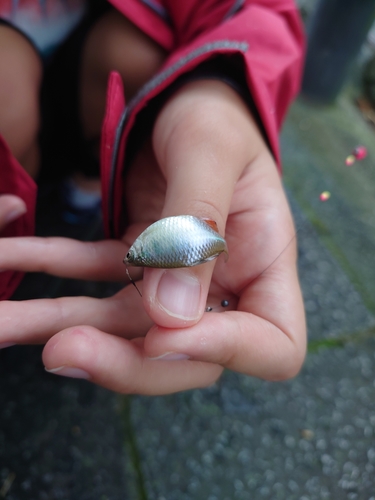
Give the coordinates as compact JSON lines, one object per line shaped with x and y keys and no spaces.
{"x":180,"y":241}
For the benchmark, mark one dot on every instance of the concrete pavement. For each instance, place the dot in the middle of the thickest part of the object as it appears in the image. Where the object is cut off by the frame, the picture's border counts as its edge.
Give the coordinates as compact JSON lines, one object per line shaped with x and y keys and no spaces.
{"x":310,"y":438}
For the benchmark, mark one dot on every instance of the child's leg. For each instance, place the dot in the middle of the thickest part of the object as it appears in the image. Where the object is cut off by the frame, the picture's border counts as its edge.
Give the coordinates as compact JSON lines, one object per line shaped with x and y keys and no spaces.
{"x":20,"y":78}
{"x":114,"y":43}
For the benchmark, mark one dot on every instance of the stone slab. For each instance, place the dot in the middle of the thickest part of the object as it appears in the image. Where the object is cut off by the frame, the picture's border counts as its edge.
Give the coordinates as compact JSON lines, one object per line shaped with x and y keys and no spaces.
{"x":59,"y":438}
{"x":311,"y":438}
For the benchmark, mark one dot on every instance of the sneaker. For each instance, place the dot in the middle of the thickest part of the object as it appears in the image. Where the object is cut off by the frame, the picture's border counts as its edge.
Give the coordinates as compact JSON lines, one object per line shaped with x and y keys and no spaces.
{"x":79,"y":206}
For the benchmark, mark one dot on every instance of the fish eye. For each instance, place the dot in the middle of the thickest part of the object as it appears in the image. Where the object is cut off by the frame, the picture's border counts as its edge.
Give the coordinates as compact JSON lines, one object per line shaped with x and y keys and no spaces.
{"x":128,"y":255}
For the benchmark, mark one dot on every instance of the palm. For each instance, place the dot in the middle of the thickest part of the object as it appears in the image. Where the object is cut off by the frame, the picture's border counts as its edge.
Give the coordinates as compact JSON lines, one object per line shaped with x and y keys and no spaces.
{"x":257,"y":234}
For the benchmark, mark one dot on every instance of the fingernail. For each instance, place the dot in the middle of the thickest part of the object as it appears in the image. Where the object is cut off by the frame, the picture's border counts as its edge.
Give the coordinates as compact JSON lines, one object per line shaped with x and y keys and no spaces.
{"x":14,"y":214}
{"x":179,"y":293}
{"x":172,"y":356}
{"x":69,"y":371}
{"x":3,"y":345}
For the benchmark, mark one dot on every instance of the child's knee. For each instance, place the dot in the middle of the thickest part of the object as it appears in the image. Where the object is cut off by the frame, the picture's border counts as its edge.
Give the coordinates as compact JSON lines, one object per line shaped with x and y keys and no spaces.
{"x":116,"y":44}
{"x":20,"y":77}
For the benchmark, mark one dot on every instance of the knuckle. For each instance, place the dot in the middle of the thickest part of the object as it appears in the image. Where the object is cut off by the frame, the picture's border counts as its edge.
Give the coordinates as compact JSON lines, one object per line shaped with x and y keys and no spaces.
{"x":290,"y":366}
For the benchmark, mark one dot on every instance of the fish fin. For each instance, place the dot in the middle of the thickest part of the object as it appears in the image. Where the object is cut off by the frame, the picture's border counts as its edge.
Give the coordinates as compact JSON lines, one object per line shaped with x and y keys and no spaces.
{"x":211,"y":223}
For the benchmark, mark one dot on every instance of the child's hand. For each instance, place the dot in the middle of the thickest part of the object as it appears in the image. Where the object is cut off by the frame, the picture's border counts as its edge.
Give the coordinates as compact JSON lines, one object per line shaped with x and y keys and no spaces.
{"x":213,"y":163}
{"x":11,"y":207}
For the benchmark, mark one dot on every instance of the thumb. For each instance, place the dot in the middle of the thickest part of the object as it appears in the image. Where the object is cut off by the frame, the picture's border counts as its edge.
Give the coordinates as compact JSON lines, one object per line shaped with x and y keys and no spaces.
{"x":201,"y":162}
{"x":176,"y":297}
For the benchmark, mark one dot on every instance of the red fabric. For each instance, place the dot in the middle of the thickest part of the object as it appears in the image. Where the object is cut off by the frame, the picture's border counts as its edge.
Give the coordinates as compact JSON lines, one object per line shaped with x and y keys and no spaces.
{"x":273,"y":61}
{"x":272,"y":28}
{"x":147,"y":20}
{"x":115,"y":105}
{"x":14,"y":180}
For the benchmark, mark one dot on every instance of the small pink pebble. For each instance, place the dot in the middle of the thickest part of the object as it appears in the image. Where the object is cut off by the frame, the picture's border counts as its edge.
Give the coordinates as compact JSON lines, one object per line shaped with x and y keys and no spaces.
{"x":325,"y":196}
{"x":350,"y":160}
{"x":360,"y":152}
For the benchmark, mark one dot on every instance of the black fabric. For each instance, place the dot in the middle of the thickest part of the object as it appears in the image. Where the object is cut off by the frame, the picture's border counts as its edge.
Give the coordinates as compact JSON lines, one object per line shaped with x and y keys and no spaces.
{"x":63,"y":148}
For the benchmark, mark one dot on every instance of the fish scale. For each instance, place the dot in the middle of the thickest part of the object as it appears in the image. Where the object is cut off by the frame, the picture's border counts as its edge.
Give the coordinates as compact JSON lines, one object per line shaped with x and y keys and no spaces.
{"x":173,"y":242}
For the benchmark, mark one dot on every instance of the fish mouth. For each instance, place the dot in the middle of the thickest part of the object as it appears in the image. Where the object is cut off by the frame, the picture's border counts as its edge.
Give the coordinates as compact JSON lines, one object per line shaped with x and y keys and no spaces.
{"x":128,"y":259}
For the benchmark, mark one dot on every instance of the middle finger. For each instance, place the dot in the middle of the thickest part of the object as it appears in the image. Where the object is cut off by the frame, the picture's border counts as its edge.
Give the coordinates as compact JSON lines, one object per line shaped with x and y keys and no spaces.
{"x":35,"y":321}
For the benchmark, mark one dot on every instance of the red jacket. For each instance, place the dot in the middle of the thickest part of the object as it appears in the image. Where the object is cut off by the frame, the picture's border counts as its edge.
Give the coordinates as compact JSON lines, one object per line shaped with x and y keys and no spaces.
{"x":265,"y":34}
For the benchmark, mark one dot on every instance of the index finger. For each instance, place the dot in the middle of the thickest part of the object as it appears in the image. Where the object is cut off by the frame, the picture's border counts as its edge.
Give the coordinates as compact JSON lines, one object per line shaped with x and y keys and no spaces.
{"x":64,"y":257}
{"x":11,"y":207}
